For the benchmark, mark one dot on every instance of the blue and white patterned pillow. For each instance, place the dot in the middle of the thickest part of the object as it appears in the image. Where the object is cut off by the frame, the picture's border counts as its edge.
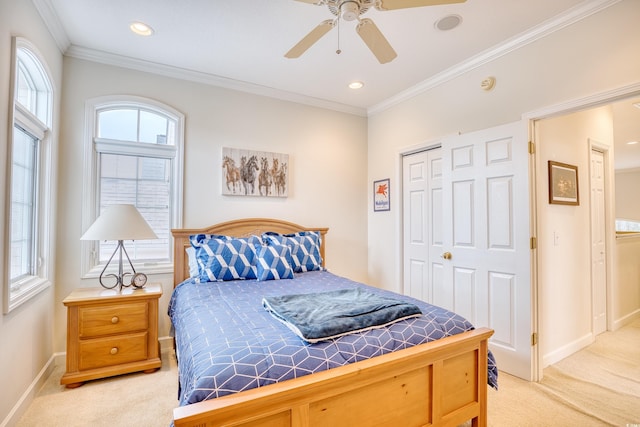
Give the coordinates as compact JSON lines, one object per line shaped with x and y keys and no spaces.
{"x":197,"y":239}
{"x":273,"y":262}
{"x":305,"y":248}
{"x":226,"y":258}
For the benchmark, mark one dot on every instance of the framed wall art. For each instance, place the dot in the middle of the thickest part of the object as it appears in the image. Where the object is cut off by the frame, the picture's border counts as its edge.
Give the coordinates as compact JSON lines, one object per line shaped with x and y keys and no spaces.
{"x":254,"y":173}
{"x":381,"y":195}
{"x":563,"y":184}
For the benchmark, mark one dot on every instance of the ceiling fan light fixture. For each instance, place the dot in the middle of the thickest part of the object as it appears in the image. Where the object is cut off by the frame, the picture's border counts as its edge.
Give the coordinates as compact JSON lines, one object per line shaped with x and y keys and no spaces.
{"x":350,"y":10}
{"x":356,"y":85}
{"x":448,"y":22}
{"x":141,"y":29}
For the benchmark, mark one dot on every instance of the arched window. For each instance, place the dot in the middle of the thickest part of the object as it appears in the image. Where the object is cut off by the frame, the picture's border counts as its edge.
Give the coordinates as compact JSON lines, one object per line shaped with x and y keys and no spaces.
{"x":134,"y":156}
{"x":29,"y":211}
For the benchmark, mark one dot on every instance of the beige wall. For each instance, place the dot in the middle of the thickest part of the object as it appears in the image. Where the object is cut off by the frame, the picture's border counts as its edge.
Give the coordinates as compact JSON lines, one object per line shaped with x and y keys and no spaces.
{"x":564,"y":237}
{"x":628,"y":276}
{"x":327,"y":175}
{"x":26,"y":334}
{"x":627,"y":182}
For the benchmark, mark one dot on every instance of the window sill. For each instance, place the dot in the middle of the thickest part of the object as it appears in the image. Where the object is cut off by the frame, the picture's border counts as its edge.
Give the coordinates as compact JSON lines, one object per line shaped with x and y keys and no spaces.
{"x":27,"y":290}
{"x":146,"y":268}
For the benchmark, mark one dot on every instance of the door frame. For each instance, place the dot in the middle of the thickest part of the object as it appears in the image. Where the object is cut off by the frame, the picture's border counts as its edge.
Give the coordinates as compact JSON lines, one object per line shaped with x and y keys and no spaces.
{"x":530,"y":117}
{"x":609,"y":201}
{"x":568,"y":107}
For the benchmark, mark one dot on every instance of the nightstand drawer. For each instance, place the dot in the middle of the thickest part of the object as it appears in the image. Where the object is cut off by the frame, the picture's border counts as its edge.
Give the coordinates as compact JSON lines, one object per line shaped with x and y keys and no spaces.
{"x":113,"y":319}
{"x":101,"y":352}
{"x":111,"y":332}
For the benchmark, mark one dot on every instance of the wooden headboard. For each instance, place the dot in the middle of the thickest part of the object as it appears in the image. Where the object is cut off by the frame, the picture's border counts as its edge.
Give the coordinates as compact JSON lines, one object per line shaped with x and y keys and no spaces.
{"x":236,"y":228}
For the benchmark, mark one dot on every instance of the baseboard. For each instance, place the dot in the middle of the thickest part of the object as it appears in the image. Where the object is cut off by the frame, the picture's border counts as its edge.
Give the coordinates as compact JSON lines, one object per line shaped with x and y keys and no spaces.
{"x":56,"y":359}
{"x":623,"y":321}
{"x":30,"y":393}
{"x":567,"y":350}
{"x":166,"y":344}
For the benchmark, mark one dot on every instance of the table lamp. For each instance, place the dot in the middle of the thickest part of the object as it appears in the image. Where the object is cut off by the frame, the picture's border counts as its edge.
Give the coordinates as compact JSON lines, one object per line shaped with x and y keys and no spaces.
{"x":120,"y":222}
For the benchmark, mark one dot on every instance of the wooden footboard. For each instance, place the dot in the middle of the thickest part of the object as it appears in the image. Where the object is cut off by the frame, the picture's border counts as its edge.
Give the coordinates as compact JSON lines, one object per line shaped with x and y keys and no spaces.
{"x":441,"y":383}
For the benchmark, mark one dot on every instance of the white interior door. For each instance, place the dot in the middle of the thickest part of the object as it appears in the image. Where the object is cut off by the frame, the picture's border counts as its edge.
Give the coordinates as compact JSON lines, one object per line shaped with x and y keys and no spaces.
{"x":479,"y":263}
{"x":598,"y":243}
{"x":422,"y":235}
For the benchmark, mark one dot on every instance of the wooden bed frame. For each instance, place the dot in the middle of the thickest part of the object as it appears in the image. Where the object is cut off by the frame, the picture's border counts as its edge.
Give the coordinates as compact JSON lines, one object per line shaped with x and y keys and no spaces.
{"x":440,"y":383}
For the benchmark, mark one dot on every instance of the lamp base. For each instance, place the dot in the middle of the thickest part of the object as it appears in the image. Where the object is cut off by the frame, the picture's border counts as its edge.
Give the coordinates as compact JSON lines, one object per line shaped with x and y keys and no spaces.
{"x":119,"y":278}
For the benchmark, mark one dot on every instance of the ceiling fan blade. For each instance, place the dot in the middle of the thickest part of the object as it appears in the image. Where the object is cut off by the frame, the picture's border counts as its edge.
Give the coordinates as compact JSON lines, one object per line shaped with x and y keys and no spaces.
{"x":405,"y":4}
{"x":310,"y":39}
{"x":376,"y":41}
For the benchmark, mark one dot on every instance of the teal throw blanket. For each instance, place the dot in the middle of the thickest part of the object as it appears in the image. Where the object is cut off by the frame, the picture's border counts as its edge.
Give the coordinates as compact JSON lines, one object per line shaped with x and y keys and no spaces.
{"x":322,"y":316}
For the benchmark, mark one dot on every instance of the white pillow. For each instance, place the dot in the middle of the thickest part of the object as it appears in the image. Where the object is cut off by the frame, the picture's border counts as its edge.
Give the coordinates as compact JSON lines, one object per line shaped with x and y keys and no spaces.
{"x":194,"y":271}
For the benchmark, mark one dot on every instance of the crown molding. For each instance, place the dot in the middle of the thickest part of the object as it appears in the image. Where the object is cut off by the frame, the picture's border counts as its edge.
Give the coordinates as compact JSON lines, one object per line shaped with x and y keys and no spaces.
{"x":52,"y":21}
{"x":571,"y":16}
{"x":206,"y":78}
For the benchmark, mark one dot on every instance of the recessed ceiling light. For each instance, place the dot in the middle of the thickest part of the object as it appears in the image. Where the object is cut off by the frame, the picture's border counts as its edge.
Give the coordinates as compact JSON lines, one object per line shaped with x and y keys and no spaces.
{"x":448,"y":22}
{"x":141,"y":29}
{"x":356,"y":85}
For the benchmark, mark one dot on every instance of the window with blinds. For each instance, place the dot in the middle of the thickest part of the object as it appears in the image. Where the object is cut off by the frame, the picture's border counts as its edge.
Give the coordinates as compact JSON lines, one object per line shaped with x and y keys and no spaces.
{"x":136,"y":159}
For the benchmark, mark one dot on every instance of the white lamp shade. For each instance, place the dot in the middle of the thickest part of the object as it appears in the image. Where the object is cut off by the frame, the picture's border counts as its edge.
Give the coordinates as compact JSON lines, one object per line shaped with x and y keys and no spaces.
{"x":119,"y":222}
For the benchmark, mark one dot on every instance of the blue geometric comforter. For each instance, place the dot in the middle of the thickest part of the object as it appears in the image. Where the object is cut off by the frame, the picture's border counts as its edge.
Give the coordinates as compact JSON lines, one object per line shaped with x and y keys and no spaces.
{"x":226,"y":342}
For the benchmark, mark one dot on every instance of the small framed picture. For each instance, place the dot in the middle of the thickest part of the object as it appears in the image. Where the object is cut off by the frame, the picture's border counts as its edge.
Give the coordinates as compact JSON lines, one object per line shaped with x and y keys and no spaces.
{"x":381,"y":195}
{"x":563,"y":184}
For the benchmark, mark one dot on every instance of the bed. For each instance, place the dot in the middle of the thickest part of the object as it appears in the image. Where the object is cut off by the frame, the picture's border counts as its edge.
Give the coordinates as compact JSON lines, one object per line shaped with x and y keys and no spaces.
{"x":381,"y":376}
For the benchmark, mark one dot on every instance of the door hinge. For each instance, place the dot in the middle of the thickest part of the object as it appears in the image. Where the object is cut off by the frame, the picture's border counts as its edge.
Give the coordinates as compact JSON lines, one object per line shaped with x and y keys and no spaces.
{"x":534,"y":339}
{"x":532,"y":147}
{"x":533,"y":243}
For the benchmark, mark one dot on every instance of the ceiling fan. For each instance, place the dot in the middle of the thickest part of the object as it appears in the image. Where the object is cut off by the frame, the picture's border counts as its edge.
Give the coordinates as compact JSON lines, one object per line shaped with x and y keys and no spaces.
{"x":350,"y":10}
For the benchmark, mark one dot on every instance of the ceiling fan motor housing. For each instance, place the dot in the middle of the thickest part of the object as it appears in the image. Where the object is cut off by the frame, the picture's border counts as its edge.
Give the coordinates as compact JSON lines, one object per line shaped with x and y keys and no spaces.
{"x":350,"y":10}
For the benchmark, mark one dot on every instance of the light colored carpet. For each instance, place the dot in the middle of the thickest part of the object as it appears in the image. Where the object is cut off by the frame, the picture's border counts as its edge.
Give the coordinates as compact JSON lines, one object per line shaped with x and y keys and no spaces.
{"x":598,"y":386}
{"x":138,"y":399}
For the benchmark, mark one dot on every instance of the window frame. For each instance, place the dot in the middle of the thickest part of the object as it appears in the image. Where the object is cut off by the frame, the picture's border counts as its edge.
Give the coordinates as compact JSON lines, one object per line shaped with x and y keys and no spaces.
{"x":89,"y":263}
{"x":39,"y":127}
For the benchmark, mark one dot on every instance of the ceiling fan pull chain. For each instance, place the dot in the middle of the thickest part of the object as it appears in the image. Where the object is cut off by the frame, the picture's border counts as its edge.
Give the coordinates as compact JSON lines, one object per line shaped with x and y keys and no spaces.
{"x":338,"y":51}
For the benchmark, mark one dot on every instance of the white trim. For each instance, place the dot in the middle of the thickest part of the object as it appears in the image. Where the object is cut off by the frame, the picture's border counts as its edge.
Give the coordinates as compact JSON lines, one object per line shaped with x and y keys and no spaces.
{"x":52,"y":21}
{"x":44,"y":248}
{"x":206,"y":78}
{"x":585,"y":102}
{"x":567,"y":350}
{"x":88,"y":268}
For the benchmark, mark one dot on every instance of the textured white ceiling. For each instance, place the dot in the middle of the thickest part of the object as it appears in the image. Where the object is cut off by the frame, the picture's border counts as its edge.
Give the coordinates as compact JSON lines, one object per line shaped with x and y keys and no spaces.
{"x":241,"y":44}
{"x":245,"y":40}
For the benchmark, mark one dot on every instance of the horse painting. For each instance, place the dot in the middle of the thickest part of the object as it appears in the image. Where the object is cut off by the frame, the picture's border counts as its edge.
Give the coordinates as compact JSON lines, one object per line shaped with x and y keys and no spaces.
{"x":279,"y":175}
{"x":232,"y":174}
{"x":264,"y":178}
{"x":254,"y":173}
{"x":248,"y":170}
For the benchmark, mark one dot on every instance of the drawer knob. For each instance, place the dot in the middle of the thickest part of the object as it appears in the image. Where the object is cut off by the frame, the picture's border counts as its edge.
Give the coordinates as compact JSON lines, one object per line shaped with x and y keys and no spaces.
{"x":114,"y":350}
{"x":115,"y":320}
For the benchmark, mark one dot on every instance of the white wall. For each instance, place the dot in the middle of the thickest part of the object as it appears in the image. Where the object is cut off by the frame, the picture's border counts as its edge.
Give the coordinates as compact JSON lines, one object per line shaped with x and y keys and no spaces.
{"x":327,"y":156}
{"x":26,"y":334}
{"x":589,"y":57}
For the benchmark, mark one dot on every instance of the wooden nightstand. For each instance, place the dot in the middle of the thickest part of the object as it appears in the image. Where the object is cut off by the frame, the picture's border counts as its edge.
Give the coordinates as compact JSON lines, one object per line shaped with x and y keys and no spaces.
{"x":111,"y":333}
